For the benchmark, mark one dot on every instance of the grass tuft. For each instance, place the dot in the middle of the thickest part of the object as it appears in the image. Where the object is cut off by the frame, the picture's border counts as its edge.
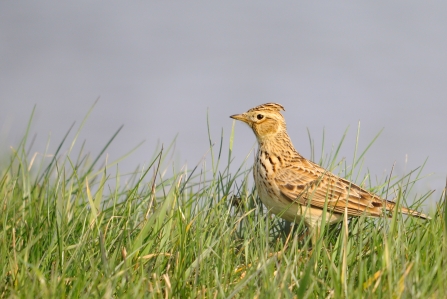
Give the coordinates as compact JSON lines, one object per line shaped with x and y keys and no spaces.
{"x":73,"y":229}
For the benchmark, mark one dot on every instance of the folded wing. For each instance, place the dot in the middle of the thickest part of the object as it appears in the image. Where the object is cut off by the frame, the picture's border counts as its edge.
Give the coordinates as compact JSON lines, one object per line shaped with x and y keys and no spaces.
{"x":309,"y":184}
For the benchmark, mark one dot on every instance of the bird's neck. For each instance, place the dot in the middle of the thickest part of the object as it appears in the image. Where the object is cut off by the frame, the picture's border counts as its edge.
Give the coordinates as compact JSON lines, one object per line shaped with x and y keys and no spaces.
{"x":279,"y":143}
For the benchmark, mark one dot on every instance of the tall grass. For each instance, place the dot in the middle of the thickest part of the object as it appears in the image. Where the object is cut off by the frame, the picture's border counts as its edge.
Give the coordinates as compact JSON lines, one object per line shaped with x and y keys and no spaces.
{"x":73,"y":229}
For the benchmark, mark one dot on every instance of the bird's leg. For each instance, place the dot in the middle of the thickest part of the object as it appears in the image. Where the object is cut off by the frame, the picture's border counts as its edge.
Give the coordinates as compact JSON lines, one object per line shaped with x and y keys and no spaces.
{"x":315,"y":235}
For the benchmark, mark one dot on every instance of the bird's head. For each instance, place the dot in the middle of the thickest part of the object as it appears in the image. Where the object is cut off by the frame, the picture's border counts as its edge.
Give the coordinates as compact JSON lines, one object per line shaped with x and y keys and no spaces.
{"x":266,"y":120}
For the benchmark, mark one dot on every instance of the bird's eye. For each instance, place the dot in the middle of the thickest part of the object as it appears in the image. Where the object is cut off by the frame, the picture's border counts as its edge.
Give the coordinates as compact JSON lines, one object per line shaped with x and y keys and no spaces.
{"x":260,"y":116}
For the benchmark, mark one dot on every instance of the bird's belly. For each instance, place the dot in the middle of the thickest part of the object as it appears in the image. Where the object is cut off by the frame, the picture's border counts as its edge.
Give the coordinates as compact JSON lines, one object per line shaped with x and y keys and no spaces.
{"x":287,"y":210}
{"x":293,"y":211}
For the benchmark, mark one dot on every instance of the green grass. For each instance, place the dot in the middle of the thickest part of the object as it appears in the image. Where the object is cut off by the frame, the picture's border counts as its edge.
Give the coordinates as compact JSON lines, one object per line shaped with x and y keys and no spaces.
{"x":73,"y":229}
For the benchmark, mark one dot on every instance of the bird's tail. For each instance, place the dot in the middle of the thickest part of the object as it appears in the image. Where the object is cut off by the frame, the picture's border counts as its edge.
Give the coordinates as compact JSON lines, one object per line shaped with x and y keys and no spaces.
{"x":410,"y":212}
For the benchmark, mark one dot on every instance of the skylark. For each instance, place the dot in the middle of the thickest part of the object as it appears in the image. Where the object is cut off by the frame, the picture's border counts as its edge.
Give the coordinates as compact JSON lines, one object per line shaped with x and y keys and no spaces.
{"x":293,"y":187}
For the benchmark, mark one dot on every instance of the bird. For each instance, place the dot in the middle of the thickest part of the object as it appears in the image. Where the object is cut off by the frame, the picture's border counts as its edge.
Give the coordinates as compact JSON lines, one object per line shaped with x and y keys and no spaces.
{"x":297,"y":189}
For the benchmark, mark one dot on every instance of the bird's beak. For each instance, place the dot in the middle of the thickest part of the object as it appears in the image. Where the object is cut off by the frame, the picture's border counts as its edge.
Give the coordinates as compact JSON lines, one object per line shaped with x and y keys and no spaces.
{"x":241,"y":117}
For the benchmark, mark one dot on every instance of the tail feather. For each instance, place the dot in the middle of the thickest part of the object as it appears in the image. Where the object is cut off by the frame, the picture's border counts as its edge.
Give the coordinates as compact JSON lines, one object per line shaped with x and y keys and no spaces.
{"x":408,"y":212}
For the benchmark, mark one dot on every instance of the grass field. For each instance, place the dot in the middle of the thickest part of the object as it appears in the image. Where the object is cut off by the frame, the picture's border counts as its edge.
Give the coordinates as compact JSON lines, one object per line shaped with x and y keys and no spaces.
{"x":71,"y":228}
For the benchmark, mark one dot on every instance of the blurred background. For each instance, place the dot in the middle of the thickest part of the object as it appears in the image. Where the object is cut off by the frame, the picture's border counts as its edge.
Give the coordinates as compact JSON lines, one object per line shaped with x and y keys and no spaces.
{"x":160,"y":67}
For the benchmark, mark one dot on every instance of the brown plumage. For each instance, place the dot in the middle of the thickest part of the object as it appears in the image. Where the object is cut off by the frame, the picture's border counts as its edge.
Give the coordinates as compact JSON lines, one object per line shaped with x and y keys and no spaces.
{"x":293,"y":187}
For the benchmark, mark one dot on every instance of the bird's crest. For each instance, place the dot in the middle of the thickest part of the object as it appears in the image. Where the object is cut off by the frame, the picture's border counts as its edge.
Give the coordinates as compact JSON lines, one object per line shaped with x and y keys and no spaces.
{"x":268,"y":107}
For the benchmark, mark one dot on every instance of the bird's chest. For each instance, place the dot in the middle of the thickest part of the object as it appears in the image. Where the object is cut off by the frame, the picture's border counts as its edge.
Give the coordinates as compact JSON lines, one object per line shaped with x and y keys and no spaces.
{"x":265,"y":169}
{"x":267,"y":164}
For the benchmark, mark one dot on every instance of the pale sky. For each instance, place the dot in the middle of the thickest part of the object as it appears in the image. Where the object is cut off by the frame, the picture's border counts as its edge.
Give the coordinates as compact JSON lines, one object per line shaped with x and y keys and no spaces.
{"x":159,"y":67}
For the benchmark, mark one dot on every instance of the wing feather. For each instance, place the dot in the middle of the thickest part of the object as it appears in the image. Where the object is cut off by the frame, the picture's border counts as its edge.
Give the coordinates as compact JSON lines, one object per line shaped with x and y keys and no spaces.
{"x":313,"y":185}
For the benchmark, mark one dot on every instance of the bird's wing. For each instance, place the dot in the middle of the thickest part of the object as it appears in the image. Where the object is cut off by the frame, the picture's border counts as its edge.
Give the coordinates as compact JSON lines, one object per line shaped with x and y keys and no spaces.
{"x":310,"y":184}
